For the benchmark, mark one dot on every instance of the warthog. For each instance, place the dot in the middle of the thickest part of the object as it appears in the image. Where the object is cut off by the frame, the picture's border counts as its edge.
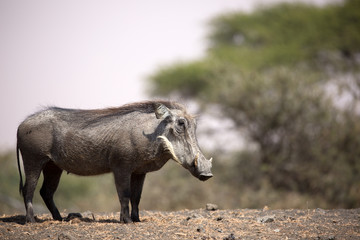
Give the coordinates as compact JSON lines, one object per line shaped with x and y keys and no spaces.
{"x":128,"y":141}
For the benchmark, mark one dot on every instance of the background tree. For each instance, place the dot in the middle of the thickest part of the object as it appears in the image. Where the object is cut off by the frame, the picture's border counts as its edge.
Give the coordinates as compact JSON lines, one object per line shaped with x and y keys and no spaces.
{"x":289,"y":76}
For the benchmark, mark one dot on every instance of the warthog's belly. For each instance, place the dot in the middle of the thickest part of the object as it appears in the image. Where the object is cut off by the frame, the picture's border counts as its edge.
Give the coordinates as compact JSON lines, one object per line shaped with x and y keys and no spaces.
{"x":83,"y":166}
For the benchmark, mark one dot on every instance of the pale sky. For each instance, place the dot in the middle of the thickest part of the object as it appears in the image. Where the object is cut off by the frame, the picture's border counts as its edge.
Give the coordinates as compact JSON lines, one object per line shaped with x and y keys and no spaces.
{"x":94,"y":54}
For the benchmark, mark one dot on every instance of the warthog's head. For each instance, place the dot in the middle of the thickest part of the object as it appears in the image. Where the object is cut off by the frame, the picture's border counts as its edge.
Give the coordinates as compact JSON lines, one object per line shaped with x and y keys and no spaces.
{"x":179,"y":140}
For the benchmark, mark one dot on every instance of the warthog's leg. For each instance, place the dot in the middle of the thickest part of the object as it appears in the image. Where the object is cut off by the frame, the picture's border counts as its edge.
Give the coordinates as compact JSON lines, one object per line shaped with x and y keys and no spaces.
{"x":137,"y":182}
{"x":52,"y":175}
{"x":32,"y":167}
{"x":122,"y":182}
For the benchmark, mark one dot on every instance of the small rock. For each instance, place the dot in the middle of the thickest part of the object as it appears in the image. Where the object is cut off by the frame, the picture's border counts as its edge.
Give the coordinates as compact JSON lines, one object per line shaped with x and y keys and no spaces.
{"x":219,"y":218}
{"x":65,"y":236}
{"x":211,"y":207}
{"x":200,"y":228}
{"x":230,"y":237}
{"x":195,"y":215}
{"x":266,"y":219}
{"x":73,"y":215}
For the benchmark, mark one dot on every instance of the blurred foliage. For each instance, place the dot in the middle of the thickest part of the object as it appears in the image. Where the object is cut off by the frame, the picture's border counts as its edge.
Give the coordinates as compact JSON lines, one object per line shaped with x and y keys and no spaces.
{"x":287,"y":34}
{"x":281,"y":74}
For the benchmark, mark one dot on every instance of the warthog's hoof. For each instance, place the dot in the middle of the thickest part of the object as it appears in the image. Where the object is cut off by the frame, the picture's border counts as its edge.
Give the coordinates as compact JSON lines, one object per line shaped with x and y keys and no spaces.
{"x":125,"y":220}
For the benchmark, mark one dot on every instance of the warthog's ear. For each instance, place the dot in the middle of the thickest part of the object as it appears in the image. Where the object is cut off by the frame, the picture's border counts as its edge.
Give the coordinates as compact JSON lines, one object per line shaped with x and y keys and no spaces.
{"x":161,"y":111}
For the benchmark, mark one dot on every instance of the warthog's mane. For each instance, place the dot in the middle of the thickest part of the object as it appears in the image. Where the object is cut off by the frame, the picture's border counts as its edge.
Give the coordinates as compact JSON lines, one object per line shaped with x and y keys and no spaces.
{"x":94,"y":116}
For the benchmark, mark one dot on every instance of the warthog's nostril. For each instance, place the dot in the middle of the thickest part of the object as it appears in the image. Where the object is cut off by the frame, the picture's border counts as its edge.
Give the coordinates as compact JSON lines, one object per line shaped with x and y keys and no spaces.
{"x":204,"y":177}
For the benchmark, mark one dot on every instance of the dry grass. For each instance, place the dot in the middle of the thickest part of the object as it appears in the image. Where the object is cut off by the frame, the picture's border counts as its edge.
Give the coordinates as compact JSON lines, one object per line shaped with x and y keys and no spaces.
{"x":193,"y":224}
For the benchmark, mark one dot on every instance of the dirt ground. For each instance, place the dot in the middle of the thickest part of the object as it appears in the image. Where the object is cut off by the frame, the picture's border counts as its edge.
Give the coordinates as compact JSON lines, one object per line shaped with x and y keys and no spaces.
{"x":192,"y":224}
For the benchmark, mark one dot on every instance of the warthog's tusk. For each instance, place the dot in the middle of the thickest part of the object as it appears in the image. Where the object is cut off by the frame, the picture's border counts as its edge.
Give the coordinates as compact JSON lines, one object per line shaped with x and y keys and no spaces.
{"x":210,"y":160}
{"x":169,"y":147}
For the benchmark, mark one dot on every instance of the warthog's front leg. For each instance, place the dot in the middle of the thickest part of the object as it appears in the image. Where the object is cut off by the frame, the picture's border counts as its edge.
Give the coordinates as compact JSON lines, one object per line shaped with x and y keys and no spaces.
{"x":137,"y":182}
{"x":122,"y":182}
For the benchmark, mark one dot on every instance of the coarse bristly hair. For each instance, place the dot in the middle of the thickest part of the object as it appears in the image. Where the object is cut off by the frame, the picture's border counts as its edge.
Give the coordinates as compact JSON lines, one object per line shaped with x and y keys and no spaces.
{"x":96,"y":115}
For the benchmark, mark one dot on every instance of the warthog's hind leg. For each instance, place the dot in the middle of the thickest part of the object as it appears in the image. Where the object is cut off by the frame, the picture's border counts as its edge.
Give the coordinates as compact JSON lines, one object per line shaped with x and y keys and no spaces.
{"x":52,"y":175}
{"x":32,"y":174}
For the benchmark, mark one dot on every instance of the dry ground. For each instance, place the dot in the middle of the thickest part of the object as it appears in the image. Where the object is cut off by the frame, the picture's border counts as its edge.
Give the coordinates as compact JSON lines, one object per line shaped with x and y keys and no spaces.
{"x":192,"y":224}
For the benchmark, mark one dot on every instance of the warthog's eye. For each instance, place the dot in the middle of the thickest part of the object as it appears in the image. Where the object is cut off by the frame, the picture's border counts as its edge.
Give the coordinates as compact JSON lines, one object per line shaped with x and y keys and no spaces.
{"x":181,"y":122}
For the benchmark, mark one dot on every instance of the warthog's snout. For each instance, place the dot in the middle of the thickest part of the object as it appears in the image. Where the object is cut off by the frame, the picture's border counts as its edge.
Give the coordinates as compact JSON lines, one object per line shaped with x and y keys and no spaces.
{"x":205,"y":176}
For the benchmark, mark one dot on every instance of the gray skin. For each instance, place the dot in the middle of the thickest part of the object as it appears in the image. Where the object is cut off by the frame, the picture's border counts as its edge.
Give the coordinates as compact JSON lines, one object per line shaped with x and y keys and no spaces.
{"x":128,"y":141}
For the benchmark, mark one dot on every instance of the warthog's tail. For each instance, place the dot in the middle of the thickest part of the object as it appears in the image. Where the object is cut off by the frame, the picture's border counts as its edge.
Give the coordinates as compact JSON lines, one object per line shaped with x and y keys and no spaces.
{"x":21,"y":185}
